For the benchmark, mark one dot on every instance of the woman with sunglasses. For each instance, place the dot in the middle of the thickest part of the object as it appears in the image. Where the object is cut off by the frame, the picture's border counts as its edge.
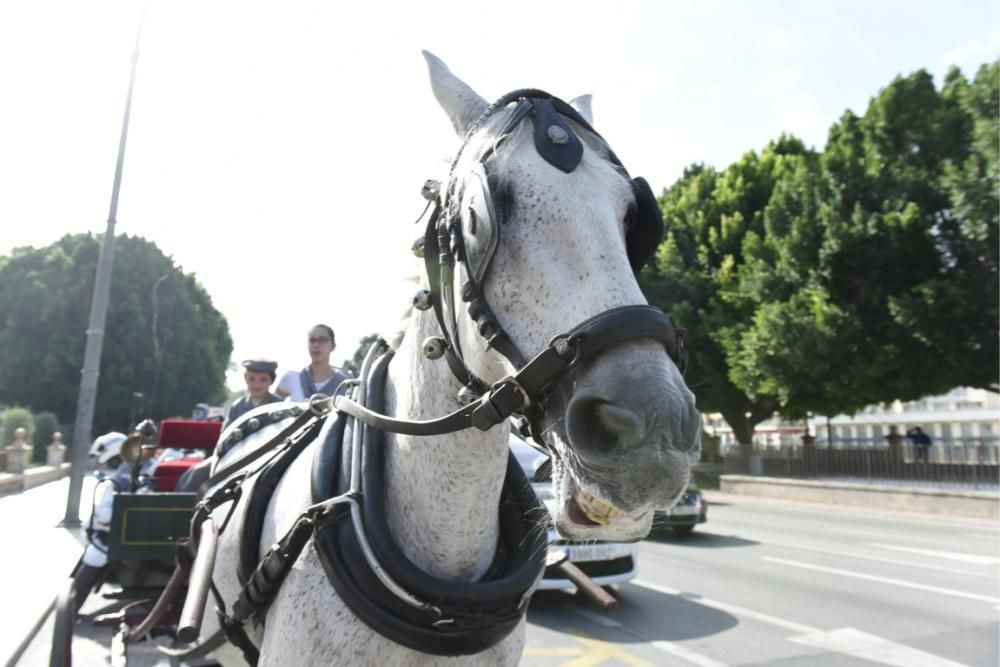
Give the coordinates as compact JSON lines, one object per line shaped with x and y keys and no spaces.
{"x":319,"y":377}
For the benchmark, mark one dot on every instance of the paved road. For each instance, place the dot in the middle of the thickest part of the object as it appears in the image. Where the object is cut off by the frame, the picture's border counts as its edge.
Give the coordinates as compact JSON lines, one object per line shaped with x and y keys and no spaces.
{"x":776,"y":583}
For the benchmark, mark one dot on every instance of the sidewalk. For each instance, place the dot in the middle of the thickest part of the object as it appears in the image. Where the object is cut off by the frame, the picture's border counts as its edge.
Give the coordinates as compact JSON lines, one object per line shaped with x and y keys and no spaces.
{"x":981,"y":504}
{"x":37,"y":558}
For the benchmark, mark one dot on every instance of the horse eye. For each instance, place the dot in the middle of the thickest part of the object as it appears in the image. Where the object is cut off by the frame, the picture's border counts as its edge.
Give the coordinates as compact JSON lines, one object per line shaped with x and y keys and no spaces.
{"x":631,"y":215}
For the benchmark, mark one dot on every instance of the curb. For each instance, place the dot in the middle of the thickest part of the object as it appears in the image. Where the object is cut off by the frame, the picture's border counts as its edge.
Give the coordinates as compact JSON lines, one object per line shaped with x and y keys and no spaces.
{"x":927,"y":501}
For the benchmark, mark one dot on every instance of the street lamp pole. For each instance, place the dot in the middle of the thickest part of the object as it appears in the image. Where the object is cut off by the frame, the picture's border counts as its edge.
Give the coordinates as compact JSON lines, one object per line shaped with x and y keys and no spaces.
{"x":87,"y":397}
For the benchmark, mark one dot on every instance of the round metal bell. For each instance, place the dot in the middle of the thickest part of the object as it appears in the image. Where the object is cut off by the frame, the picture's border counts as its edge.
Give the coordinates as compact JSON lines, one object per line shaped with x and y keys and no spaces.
{"x":253,"y":424}
{"x":431,"y":189}
{"x":418,"y":247}
{"x":434,"y":347}
{"x":422,"y":299}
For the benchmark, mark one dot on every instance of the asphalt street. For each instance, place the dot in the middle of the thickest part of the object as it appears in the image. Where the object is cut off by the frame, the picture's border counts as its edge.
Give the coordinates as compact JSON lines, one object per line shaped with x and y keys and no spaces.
{"x":764,"y":582}
{"x":769,"y":582}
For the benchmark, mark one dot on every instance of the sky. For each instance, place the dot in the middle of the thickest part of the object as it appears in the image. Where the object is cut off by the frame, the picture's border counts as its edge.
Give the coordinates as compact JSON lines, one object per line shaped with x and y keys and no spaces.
{"x":276,"y":150}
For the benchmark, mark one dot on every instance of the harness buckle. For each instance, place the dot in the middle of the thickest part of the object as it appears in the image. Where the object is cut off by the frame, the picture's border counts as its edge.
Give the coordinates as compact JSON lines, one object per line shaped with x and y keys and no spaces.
{"x":315,"y":406}
{"x":512,"y":381}
{"x":569,"y":342}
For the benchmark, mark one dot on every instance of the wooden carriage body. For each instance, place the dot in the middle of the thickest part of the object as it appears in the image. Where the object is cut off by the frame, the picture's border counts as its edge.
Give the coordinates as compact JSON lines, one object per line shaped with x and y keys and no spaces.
{"x":145,"y":525}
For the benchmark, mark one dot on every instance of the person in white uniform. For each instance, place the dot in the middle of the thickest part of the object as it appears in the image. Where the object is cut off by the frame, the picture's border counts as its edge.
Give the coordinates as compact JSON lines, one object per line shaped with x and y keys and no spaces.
{"x":319,"y":377}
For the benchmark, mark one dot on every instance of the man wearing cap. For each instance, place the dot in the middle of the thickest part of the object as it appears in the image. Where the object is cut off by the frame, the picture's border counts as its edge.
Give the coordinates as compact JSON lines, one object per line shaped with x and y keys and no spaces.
{"x":259,"y":375}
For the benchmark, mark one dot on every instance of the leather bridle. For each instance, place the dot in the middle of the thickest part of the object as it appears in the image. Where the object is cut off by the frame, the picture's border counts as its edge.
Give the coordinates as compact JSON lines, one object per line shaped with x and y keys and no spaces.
{"x":524,"y":393}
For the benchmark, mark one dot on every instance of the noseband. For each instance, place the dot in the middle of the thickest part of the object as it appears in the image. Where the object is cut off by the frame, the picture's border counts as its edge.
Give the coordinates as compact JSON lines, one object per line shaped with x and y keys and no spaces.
{"x":463,"y":233}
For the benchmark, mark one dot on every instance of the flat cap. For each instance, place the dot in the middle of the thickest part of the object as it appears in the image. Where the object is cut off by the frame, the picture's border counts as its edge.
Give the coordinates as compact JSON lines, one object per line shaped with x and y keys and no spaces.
{"x":261,"y":366}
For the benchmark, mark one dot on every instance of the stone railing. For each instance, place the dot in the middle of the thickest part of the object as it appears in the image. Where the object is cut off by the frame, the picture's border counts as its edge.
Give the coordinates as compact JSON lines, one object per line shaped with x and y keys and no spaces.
{"x":17,"y":476}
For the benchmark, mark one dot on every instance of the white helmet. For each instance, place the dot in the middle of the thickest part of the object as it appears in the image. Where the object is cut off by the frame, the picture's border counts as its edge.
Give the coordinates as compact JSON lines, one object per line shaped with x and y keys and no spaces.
{"x":106,"y":448}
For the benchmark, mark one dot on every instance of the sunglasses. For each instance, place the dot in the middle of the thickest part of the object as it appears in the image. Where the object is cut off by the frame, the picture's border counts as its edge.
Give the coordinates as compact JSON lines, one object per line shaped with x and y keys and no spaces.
{"x":319,"y":340}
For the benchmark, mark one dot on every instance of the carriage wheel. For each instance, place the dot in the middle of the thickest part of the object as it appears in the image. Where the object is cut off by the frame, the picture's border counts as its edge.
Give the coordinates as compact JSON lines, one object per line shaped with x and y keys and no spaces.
{"x":62,"y":632}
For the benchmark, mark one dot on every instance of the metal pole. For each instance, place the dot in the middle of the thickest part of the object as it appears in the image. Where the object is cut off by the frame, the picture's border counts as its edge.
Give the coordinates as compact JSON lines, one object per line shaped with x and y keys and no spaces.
{"x":95,"y":330}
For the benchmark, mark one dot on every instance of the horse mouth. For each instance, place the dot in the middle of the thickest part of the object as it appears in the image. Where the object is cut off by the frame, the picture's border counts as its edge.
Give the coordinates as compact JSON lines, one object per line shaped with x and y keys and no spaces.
{"x":585,"y":509}
{"x":584,"y":515}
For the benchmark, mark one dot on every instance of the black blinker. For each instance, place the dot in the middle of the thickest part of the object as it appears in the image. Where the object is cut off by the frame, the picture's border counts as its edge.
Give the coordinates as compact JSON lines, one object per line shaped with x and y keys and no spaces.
{"x":646,"y":231}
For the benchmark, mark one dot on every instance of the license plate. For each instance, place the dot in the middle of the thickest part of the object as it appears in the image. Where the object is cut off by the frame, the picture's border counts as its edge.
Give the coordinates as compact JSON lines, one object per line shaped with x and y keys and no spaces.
{"x":589,"y":552}
{"x":684,"y":510}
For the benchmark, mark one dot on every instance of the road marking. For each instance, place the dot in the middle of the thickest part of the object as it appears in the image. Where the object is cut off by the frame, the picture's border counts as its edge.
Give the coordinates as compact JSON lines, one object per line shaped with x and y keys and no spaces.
{"x":869,"y":647}
{"x":893,"y":561}
{"x":975,"y":559}
{"x":884,"y":580}
{"x":731,"y":608}
{"x":673,"y":649}
{"x":601,"y":651}
{"x":844,"y":640}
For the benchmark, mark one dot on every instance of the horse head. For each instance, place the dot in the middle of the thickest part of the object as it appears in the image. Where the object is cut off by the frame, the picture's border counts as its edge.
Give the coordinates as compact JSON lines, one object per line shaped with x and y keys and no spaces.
{"x":552,"y":232}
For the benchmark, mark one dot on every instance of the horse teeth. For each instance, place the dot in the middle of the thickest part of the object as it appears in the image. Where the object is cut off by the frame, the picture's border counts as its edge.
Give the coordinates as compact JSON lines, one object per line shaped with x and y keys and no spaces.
{"x":596,"y":509}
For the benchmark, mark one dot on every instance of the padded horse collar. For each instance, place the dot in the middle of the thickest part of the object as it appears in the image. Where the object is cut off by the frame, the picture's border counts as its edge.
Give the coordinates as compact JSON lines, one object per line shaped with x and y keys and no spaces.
{"x":432,"y":615}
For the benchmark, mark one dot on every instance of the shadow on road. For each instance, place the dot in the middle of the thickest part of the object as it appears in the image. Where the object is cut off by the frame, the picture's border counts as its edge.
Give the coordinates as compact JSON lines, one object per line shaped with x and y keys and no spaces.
{"x":644,"y":615}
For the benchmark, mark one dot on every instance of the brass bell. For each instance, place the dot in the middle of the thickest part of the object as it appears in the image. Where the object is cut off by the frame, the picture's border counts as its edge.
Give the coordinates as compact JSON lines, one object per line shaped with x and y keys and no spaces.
{"x":422,"y":299}
{"x":434,"y":347}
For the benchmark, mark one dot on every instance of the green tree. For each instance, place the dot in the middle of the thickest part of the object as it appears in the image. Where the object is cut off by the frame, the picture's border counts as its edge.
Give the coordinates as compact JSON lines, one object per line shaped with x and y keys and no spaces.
{"x":711,"y":219}
{"x":354,"y":363}
{"x":163,"y":337}
{"x":901,"y":300}
{"x":46,"y":424}
{"x":827,"y":282}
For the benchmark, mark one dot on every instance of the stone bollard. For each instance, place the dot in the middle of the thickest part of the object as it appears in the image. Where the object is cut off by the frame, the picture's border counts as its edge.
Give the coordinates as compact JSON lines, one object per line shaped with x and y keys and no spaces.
{"x":56,"y":452}
{"x":18,"y":453}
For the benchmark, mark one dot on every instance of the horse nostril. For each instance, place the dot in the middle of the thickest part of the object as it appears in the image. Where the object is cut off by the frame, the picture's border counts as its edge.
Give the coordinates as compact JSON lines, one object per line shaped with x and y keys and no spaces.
{"x":597,"y":426}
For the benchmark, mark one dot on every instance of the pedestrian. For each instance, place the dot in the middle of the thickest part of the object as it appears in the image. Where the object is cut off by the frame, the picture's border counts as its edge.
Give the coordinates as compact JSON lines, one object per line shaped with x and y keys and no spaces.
{"x":921,"y":443}
{"x":259,"y":376}
{"x":319,"y":377}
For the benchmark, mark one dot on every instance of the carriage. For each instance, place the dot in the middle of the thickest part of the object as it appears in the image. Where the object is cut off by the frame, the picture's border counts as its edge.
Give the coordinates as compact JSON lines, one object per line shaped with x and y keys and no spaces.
{"x":148,"y":524}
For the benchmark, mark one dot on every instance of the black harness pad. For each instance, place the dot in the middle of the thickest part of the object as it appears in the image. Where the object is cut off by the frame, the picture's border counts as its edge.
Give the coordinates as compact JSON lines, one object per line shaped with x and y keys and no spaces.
{"x":645,"y":231}
{"x":257,"y":503}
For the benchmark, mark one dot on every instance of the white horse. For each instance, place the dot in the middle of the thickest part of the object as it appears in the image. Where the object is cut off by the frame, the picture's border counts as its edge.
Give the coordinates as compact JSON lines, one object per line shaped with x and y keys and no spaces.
{"x":620,"y":422}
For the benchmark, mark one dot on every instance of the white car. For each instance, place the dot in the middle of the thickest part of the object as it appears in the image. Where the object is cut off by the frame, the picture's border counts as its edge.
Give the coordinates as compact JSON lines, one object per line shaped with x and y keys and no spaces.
{"x":606,"y":563}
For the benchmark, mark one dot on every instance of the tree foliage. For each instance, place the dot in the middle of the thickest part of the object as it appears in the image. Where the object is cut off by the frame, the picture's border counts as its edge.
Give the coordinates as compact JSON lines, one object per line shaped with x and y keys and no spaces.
{"x":828,"y":281}
{"x":354,"y":363}
{"x":46,"y":425}
{"x":162,"y":337}
{"x":13,"y":419}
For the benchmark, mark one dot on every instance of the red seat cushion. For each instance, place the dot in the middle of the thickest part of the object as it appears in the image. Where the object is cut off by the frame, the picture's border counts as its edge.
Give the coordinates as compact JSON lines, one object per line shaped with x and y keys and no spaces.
{"x":168,"y":472}
{"x":189,"y":433}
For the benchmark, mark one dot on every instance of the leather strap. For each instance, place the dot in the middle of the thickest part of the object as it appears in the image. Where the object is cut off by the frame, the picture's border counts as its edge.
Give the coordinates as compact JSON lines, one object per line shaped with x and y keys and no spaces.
{"x":533,"y":383}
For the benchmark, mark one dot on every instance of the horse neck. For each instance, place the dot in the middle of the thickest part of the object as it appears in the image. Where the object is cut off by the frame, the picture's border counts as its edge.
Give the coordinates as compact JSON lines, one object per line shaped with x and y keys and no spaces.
{"x":442,"y":492}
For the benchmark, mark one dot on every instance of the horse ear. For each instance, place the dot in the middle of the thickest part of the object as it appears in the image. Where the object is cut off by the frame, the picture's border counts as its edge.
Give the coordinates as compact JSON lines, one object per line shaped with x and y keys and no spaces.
{"x":459,"y":101}
{"x":582,"y":105}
